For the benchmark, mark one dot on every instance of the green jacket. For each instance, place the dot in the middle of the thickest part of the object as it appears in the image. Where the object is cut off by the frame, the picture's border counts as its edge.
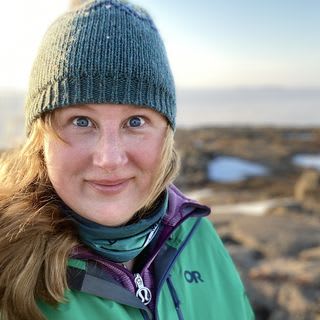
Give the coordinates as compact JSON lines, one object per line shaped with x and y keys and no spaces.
{"x":194,"y":275}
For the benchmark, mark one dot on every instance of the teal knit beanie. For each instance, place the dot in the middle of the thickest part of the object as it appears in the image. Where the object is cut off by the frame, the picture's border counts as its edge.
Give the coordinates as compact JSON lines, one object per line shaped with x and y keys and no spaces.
{"x":105,"y":51}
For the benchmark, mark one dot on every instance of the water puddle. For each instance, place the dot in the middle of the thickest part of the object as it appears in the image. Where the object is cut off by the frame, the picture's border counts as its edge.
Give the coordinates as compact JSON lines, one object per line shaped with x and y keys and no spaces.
{"x":307,"y":160}
{"x":227,"y":169}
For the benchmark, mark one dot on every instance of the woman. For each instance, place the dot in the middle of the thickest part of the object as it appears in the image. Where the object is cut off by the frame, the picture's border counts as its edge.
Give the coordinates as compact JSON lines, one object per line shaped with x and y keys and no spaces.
{"x":91,"y":226}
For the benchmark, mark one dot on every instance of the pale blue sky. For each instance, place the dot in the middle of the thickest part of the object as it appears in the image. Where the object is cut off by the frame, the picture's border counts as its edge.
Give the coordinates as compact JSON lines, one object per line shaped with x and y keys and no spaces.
{"x":243,"y":42}
{"x":217,"y":43}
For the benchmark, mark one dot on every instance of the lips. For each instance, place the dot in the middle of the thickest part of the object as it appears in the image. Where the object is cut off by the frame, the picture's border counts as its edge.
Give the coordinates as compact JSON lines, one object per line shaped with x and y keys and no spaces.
{"x":109,"y":186}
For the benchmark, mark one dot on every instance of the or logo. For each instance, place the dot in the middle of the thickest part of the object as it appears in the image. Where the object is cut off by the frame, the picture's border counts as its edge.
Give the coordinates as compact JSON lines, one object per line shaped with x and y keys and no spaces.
{"x":193,"y":276}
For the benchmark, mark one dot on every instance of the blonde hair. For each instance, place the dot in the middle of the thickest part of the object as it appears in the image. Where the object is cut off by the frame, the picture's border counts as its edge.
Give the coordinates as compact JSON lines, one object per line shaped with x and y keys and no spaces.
{"x":35,"y":240}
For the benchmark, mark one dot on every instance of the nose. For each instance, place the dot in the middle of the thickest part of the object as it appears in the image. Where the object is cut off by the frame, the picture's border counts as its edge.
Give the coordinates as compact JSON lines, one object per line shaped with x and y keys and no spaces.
{"x":110,"y":152}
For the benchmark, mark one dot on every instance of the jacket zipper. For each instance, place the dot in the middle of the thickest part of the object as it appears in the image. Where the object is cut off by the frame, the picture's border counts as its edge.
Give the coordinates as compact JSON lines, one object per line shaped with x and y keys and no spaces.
{"x":175,"y":298}
{"x":165,"y":276}
{"x":143,"y":293}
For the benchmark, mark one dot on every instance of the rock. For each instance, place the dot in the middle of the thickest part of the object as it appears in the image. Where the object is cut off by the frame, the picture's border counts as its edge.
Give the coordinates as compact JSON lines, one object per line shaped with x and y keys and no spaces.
{"x":243,"y":257}
{"x":308,"y":185}
{"x":278,"y":259}
{"x":272,"y":147}
{"x":262,"y":296}
{"x":272,"y":235}
{"x":306,"y":273}
{"x":299,"y":303}
{"x":291,"y":289}
{"x":287,"y":208}
{"x":307,"y":189}
{"x":310,"y":254}
{"x":194,"y":165}
{"x":292,"y":299}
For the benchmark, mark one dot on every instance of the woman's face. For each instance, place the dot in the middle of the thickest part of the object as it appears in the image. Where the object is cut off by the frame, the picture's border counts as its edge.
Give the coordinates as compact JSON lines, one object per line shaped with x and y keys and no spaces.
{"x":107,"y":163}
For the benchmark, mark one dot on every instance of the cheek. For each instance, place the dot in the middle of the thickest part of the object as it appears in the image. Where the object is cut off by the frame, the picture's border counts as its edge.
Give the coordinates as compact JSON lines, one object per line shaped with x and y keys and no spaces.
{"x":61,"y":161}
{"x":54,"y":163}
{"x":148,"y":155}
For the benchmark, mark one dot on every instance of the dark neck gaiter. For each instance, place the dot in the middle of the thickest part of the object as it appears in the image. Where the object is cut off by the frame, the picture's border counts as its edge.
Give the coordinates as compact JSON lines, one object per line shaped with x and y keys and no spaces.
{"x":123,"y":243}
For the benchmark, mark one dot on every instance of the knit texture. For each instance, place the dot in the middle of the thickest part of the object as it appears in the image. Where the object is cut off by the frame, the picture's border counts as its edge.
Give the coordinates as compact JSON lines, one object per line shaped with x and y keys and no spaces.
{"x":105,"y":51}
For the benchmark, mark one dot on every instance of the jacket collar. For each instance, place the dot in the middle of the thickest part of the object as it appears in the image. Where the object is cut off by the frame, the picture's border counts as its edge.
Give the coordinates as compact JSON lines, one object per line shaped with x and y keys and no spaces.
{"x":180,"y":206}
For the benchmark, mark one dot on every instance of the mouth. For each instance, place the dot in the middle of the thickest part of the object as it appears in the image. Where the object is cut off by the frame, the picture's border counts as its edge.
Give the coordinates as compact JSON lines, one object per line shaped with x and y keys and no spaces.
{"x":109,"y":186}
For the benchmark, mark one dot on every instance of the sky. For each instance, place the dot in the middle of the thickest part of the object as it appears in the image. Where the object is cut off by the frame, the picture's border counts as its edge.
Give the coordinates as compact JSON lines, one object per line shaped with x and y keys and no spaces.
{"x":210,"y":43}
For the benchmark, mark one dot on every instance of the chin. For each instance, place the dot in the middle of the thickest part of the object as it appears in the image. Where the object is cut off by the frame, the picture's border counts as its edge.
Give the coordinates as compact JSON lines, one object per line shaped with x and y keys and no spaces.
{"x":111,"y":218}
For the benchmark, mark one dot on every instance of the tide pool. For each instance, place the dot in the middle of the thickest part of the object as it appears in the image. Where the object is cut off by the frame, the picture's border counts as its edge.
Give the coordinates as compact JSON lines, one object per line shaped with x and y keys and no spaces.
{"x":227,"y":169}
{"x":307,"y":160}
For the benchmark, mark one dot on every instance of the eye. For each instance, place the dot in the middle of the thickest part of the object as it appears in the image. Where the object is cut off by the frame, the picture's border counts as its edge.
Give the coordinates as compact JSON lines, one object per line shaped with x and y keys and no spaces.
{"x":83,"y":122}
{"x":135,"y":122}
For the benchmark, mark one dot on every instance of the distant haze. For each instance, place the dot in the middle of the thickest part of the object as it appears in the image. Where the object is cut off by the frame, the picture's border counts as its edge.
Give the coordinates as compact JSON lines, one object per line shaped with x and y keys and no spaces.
{"x":204,"y":107}
{"x":262,"y":106}
{"x":11,"y":113}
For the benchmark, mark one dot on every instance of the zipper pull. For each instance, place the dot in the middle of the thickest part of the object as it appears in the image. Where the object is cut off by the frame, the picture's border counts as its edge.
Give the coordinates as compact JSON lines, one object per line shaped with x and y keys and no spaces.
{"x":143,"y":293}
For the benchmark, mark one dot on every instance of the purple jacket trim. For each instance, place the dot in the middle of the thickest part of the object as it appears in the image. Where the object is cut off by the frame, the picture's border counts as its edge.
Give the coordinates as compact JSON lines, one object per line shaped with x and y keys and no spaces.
{"x":178,"y":202}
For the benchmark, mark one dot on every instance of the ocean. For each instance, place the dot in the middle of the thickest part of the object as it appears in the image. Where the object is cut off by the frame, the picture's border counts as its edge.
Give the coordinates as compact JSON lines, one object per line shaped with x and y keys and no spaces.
{"x":249,"y":107}
{"x":293,"y":107}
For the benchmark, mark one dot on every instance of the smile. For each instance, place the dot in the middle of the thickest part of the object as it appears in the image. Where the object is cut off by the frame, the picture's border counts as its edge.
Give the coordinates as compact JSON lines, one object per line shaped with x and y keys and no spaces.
{"x":109,"y":186}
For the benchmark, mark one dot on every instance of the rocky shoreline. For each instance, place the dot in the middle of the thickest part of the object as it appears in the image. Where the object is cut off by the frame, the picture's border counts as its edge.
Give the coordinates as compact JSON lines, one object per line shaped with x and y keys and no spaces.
{"x":270,"y":224}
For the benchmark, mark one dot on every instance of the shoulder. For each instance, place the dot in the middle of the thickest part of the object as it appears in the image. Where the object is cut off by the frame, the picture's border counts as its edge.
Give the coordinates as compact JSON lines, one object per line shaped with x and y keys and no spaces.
{"x":205,"y":271}
{"x":203,"y":240}
{"x":205,"y":253}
